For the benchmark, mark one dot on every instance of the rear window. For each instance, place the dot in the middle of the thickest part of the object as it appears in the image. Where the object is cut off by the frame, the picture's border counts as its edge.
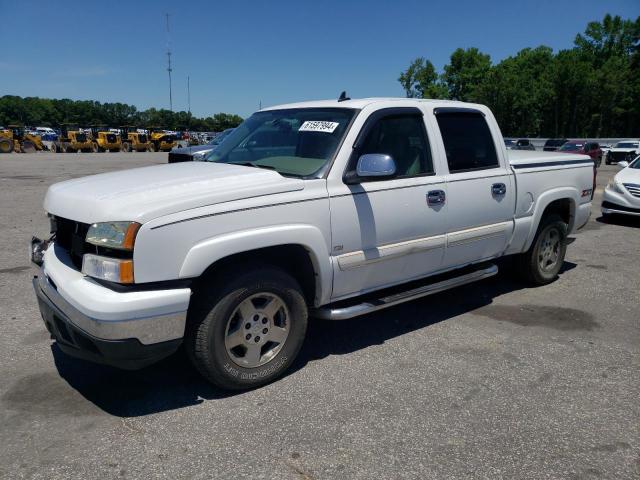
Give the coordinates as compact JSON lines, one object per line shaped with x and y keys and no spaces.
{"x":467,"y":141}
{"x":627,"y":145}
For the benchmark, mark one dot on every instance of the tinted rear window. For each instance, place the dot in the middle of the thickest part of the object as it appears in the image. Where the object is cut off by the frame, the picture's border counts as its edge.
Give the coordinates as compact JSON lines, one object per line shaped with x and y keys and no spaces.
{"x":467,"y":141}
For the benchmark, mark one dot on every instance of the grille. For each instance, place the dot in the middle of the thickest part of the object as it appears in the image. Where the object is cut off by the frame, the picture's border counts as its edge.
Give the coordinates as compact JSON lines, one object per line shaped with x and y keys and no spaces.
{"x":621,"y":156}
{"x":70,"y":235}
{"x":179,"y":157}
{"x":111,"y":137}
{"x":633,"y":189}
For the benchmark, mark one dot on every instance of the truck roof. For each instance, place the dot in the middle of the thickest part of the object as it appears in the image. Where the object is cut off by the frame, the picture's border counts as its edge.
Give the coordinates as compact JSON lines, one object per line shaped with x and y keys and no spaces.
{"x":363,"y":102}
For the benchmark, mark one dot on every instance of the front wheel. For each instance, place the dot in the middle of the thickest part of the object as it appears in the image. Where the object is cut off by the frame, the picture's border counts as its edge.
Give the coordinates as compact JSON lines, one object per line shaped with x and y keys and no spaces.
{"x":541,"y":264}
{"x":246,"y":331}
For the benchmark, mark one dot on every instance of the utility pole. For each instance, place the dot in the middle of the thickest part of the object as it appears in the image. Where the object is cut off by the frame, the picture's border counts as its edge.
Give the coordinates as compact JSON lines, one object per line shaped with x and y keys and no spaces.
{"x":169,"y":64}
{"x":188,"y":96}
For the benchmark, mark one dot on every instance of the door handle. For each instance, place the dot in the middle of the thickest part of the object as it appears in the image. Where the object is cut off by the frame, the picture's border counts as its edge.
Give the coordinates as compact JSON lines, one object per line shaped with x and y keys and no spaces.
{"x":436,"y":197}
{"x":498,"y":189}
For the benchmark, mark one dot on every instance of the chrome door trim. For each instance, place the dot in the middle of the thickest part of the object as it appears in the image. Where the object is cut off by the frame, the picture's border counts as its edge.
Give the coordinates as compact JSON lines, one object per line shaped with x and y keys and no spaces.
{"x":360,"y":258}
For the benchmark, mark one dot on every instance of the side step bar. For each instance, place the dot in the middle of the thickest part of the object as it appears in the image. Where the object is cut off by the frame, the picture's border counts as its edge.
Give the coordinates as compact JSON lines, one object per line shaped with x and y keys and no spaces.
{"x":343,"y":313}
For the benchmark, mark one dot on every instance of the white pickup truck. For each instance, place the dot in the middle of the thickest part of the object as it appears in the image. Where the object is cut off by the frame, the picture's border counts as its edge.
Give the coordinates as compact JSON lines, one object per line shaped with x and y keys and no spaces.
{"x":328,"y":209}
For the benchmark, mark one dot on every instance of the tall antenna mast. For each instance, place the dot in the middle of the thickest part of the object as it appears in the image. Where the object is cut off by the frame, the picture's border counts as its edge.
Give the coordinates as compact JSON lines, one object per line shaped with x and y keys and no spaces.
{"x":169,"y":64}
{"x":188,"y":95}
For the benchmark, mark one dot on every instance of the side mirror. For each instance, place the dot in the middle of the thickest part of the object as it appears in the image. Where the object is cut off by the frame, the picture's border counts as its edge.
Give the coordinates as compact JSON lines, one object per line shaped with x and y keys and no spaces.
{"x":623,"y":164}
{"x":376,"y":165}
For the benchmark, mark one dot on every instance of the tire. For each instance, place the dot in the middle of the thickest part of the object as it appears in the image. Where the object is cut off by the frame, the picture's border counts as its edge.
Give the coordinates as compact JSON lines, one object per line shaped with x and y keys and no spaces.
{"x":94,"y":147}
{"x":541,"y":264}
{"x":153,"y":148}
{"x":221,"y":346}
{"x":65,"y":149}
{"x":598,"y":162}
{"x":6,"y":145}
{"x":126,"y":147}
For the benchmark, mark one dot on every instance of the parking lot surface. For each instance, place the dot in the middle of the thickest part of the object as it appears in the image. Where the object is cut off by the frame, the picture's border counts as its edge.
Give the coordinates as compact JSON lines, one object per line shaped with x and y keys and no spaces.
{"x":491,"y":380}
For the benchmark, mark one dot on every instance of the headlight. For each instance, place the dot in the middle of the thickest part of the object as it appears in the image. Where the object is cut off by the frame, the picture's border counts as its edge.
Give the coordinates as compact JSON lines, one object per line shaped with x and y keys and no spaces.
{"x":199,"y":156}
{"x":120,"y":235}
{"x":106,"y":268}
{"x":612,"y":185}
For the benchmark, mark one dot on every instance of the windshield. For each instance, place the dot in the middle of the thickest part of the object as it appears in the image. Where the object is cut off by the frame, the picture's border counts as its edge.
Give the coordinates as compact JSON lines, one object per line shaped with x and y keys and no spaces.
{"x":571,"y":147}
{"x":217,"y":140}
{"x":509,"y":143}
{"x":635,"y":164}
{"x":294,"y":142}
{"x":554,"y":143}
{"x":627,"y":145}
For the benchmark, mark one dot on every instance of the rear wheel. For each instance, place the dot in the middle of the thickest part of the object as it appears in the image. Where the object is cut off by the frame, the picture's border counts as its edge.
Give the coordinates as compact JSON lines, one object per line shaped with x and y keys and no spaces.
{"x":246,"y":331}
{"x":126,"y":147}
{"x":541,"y":264}
{"x":153,"y":147}
{"x":94,"y":147}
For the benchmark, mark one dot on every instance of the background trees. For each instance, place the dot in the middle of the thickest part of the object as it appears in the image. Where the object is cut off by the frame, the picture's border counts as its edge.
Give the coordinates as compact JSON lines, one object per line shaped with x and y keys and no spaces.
{"x":36,"y":111}
{"x":590,"y":90}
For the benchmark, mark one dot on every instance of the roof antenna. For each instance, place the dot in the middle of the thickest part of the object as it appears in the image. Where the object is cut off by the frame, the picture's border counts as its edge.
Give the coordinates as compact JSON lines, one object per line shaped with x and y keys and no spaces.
{"x":343,"y":96}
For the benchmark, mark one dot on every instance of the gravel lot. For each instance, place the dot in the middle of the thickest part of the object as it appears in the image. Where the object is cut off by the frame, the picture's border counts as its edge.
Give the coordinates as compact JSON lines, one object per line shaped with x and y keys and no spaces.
{"x":492,"y":380}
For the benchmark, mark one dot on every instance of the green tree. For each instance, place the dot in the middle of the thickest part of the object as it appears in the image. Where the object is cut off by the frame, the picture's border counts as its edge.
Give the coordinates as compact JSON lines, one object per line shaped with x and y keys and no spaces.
{"x":421,"y":80}
{"x":465,"y":72}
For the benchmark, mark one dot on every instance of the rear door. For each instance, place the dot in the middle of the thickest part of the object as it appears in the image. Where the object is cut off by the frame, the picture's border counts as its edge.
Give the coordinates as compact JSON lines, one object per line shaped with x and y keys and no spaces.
{"x":480,"y":193}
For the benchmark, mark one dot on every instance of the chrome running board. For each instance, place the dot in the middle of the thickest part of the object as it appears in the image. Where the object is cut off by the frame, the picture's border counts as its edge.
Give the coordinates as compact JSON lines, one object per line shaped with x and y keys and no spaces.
{"x":330,"y":312}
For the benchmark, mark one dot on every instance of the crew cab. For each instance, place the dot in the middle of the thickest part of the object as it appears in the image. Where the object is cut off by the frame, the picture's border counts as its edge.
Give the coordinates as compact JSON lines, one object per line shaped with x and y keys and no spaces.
{"x":342,"y":208}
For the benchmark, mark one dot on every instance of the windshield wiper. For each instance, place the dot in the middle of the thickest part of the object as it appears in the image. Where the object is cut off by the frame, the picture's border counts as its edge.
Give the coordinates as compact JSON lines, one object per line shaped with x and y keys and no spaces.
{"x":251,"y":164}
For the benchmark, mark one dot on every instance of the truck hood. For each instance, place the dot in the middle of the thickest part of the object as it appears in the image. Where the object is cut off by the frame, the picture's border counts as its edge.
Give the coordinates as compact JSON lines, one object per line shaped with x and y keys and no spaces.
{"x":142,"y":194}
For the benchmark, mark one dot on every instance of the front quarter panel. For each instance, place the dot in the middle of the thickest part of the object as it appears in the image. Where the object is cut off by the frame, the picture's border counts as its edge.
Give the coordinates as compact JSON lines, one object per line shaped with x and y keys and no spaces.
{"x":184,"y":245}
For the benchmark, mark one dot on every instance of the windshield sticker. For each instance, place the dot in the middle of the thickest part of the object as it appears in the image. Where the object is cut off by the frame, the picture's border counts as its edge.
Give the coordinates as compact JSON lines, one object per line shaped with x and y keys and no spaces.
{"x":318,"y":126}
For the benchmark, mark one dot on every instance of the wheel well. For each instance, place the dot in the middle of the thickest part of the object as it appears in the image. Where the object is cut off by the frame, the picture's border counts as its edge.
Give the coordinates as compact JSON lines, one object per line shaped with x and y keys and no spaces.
{"x":292,"y":258}
{"x":561,"y":207}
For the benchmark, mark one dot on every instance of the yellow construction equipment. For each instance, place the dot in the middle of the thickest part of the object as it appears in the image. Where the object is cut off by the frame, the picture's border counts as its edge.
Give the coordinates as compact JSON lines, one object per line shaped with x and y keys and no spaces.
{"x":132,"y":140}
{"x":72,"y":139}
{"x":14,"y":139}
{"x":105,"y":140}
{"x":161,"y":141}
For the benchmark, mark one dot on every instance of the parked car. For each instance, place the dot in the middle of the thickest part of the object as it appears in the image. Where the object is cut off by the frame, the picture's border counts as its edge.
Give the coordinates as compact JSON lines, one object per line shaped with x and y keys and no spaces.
{"x":301,"y":211}
{"x":583,"y":147}
{"x":554,"y":144}
{"x":524,"y":144}
{"x":623,"y":151}
{"x":509,"y":143}
{"x":622,"y":193}
{"x":197,"y":152}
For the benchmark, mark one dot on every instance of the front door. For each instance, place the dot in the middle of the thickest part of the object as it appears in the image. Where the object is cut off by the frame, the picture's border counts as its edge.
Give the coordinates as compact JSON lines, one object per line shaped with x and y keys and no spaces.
{"x":387,"y":232}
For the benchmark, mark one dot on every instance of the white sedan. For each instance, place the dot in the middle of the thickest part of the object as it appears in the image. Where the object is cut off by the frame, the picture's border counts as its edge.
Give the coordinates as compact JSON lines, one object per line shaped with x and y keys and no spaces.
{"x":622,"y":193}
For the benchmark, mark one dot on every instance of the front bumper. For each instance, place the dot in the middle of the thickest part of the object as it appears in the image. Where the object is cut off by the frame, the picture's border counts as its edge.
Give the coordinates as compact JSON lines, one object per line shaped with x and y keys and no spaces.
{"x":127,"y":330}
{"x":622,"y":203}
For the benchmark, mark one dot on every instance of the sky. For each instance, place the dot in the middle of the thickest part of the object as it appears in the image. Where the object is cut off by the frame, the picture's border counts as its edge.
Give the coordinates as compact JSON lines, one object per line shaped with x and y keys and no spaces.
{"x":239,"y":54}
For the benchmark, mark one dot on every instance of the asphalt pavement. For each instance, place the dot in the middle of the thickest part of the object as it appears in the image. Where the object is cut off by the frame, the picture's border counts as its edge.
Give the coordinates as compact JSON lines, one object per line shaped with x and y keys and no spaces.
{"x":491,"y":380}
